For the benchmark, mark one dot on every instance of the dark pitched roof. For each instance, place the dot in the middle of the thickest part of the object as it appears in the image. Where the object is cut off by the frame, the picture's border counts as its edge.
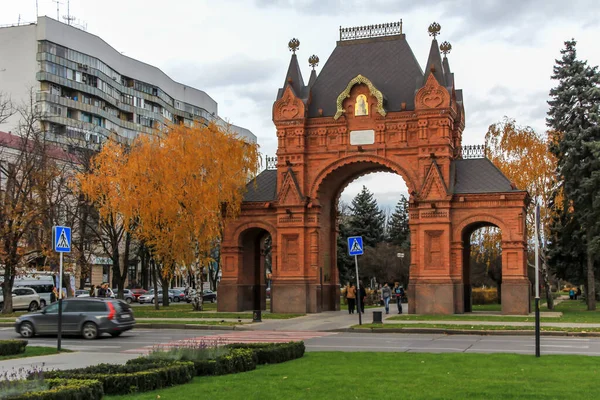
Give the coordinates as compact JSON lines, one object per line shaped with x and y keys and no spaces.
{"x":435,"y":60}
{"x":262,"y":188}
{"x":447,"y":72}
{"x":313,"y":78}
{"x":478,"y":175}
{"x":295,"y":75}
{"x":388,"y":62}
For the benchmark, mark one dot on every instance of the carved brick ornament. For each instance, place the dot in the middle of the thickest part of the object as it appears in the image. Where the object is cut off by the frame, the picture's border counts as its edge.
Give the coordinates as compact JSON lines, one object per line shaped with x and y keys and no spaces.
{"x":288,"y":107}
{"x":346,"y":93}
{"x":432,"y":95}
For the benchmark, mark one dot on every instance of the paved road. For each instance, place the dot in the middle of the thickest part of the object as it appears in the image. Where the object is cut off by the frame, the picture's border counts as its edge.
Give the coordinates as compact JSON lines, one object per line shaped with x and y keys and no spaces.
{"x":139,"y":341}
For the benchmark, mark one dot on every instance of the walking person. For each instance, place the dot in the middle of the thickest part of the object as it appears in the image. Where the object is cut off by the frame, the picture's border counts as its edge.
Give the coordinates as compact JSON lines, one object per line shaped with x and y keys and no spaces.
{"x":398,"y":293}
{"x":363,"y":296}
{"x":101,"y":291}
{"x":386,"y":295}
{"x":351,"y":296}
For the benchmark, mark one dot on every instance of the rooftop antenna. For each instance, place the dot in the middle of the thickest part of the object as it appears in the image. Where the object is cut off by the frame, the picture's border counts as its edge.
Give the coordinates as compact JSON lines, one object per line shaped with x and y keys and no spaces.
{"x":69,"y":17}
{"x":58,"y":3}
{"x":37,"y":14}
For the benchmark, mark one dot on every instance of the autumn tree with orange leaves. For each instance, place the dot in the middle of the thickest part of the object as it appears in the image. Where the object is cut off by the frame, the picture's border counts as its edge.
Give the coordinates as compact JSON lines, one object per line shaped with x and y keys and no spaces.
{"x":523,"y":156}
{"x":175,"y":189}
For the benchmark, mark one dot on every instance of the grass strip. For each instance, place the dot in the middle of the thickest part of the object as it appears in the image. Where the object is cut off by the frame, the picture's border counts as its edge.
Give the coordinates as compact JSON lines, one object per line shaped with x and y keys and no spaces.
{"x":366,"y":375}
{"x":34,"y":351}
{"x":475,"y":327}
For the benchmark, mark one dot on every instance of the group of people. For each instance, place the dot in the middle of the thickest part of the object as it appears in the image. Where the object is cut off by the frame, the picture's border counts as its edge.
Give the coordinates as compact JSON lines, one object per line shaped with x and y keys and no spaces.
{"x":351,"y":296}
{"x":574,"y":293}
{"x":100,"y":290}
{"x":387,"y":294}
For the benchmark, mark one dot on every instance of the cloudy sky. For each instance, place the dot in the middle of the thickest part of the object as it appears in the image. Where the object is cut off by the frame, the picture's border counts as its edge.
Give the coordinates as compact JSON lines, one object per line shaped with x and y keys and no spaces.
{"x":236,"y":50}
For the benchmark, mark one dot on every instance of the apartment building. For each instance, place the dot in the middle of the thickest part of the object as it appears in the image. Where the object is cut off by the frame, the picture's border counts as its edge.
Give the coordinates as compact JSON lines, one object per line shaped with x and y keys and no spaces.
{"x":87,"y":91}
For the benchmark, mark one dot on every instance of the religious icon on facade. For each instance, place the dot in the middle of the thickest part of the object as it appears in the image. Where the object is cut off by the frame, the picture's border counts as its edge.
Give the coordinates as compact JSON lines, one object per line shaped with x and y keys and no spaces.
{"x":361,"y":107}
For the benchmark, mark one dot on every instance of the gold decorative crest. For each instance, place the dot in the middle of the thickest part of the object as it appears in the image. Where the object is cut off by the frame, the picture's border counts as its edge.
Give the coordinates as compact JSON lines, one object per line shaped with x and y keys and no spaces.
{"x":346,"y":93}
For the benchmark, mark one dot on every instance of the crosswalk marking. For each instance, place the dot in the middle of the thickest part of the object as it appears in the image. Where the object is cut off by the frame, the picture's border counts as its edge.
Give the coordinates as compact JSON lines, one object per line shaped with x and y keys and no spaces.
{"x":236,"y":337}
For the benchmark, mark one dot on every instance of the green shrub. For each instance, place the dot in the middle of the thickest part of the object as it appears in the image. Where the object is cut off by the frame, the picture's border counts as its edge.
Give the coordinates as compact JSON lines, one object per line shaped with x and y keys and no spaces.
{"x":236,"y":360}
{"x":62,"y":389}
{"x":485,"y":296}
{"x":208,"y":349}
{"x":131,"y":378}
{"x":12,"y":347}
{"x":272,"y":353}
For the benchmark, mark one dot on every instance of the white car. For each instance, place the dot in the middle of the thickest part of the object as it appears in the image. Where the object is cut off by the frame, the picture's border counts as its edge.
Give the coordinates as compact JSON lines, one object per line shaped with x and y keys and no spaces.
{"x":23,"y":298}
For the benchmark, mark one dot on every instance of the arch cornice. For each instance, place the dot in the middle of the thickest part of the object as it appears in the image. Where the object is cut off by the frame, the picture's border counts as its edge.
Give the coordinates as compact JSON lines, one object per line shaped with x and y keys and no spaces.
{"x":477,"y":217}
{"x":254,"y":224}
{"x":366,"y":158}
{"x":346,"y":93}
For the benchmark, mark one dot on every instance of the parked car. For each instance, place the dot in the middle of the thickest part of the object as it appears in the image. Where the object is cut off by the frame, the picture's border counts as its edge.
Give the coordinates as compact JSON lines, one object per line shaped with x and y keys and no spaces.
{"x":80,"y":292}
{"x":137,"y":293}
{"x":207,"y":296}
{"x":176,"y":295}
{"x":149,"y":297}
{"x":23,"y":298}
{"x":127,"y":295}
{"x":90,"y":317}
{"x":42,"y":284}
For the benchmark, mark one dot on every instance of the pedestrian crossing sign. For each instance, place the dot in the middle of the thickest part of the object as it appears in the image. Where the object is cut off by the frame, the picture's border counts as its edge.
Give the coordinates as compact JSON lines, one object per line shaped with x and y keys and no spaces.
{"x":355,"y":246}
{"x":62,"y":239}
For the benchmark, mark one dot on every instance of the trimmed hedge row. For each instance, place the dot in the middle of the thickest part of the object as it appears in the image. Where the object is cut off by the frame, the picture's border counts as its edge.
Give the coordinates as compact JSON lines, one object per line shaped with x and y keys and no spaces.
{"x":243,"y":357}
{"x":272,"y":353}
{"x":238,"y":360}
{"x":131,"y":378}
{"x":12,"y":347}
{"x":62,"y":389}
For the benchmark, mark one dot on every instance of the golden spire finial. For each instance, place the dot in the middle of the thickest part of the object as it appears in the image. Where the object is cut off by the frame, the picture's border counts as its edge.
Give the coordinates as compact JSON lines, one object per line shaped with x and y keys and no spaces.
{"x":434,"y":29}
{"x":445,"y":48}
{"x":294,"y":45}
{"x":313,"y":61}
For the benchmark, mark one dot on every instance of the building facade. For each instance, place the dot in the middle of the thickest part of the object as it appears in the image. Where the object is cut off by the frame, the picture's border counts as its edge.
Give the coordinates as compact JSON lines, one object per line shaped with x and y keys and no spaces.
{"x":370,"y":109}
{"x":87,"y":91}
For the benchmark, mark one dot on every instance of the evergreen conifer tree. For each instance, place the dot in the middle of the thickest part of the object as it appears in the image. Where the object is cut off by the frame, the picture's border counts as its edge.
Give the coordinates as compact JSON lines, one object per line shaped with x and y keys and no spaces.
{"x":574,"y":115}
{"x":367,"y":219}
{"x":398,"y":230}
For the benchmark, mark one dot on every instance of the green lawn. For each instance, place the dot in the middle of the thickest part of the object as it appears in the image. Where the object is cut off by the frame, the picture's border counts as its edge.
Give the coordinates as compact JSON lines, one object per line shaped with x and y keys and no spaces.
{"x":34,"y":351}
{"x":401,"y":375}
{"x":475,"y":327}
{"x":573,"y":311}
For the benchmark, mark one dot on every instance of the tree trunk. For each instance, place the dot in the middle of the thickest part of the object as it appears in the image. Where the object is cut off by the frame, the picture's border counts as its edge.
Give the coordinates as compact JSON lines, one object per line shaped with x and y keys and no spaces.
{"x":155,"y":283}
{"x":123,"y":272}
{"x":499,"y":292}
{"x":66,"y":280}
{"x":9,"y":279}
{"x":591,"y":280}
{"x":165,"y":289}
{"x":546,"y":279}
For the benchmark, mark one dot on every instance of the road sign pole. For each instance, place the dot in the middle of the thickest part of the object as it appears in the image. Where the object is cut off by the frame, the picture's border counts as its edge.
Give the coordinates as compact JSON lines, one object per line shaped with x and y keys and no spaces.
{"x":60,"y":278}
{"x":357,"y":291}
{"x":537,"y":281}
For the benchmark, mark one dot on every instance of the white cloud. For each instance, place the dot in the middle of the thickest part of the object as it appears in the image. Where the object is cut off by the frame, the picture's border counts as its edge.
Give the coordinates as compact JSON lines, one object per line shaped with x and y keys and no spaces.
{"x":236,"y":50}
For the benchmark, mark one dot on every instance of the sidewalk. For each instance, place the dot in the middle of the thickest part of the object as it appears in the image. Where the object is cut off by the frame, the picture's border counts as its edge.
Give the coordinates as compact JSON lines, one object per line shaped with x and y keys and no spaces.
{"x":65,"y":361}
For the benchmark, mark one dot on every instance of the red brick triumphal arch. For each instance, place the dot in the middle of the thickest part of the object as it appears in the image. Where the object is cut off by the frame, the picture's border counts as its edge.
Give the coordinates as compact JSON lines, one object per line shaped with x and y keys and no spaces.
{"x":372,"y":108}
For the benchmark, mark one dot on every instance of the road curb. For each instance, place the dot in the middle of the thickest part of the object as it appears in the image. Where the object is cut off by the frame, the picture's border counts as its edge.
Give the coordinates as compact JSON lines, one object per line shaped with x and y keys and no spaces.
{"x":169,"y":326}
{"x":192,"y":327}
{"x":467,"y":332}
